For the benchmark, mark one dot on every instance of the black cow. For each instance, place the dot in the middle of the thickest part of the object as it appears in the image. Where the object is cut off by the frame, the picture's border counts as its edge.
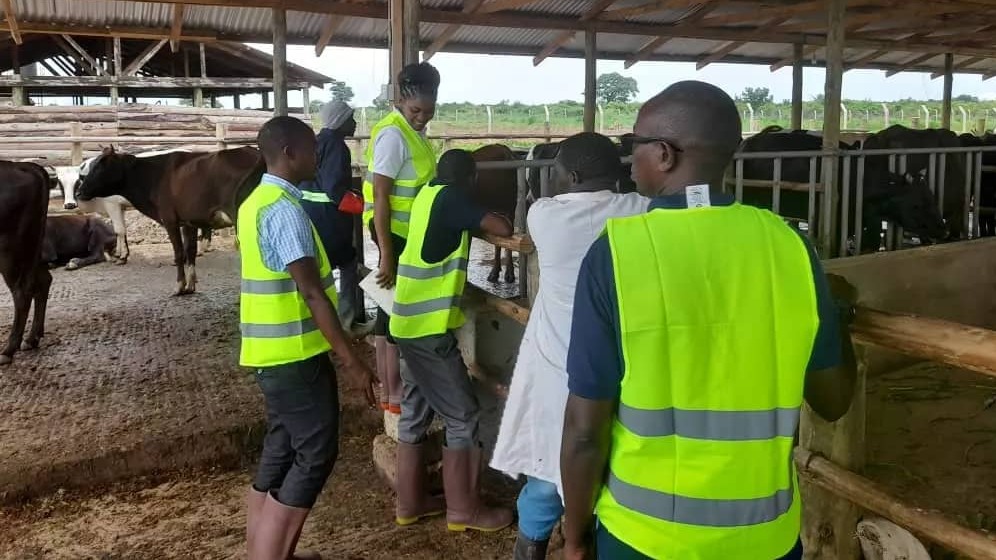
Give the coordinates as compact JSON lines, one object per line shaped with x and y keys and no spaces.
{"x":24,"y":191}
{"x":987,"y":192}
{"x":77,"y":241}
{"x":903,"y":199}
{"x":183,"y":191}
{"x":549,"y":151}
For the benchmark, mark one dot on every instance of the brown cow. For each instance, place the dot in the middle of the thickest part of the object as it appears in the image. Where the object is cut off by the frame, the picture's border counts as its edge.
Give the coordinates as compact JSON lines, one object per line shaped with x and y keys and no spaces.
{"x":23,"y":204}
{"x":183,"y":191}
{"x":497,"y":191}
{"x":77,"y":241}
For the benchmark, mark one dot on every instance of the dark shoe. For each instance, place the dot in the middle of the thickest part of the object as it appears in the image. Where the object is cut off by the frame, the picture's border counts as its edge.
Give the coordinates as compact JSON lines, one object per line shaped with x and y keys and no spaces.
{"x":464,"y":508}
{"x":526,"y":549}
{"x":414,"y":503}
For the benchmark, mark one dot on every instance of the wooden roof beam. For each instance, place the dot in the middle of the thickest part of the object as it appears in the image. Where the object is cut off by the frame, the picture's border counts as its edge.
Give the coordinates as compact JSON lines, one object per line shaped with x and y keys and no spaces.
{"x":650,"y":8}
{"x":75,"y":56}
{"x":645,"y":51}
{"x":501,"y":5}
{"x":177,"y":29}
{"x":328,"y":29}
{"x":146,"y":55}
{"x":864,"y":59}
{"x":910,"y":64}
{"x":8,"y":12}
{"x":82,"y":52}
{"x":124,"y":32}
{"x":469,"y":7}
{"x":809,"y":50}
{"x":856,"y":22}
{"x":731,"y":46}
{"x":759,"y":14}
{"x":597,"y":8}
{"x":960,"y":66}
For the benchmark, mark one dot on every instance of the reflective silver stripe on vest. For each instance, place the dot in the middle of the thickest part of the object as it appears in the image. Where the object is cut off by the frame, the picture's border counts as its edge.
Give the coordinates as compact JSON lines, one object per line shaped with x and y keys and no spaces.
{"x":395,"y":214}
{"x":312,"y":196}
{"x":422,"y":307}
{"x":397,"y":190}
{"x":282,"y":286}
{"x":700,"y":511}
{"x":720,"y":425}
{"x":281,"y":330}
{"x":416,"y":273}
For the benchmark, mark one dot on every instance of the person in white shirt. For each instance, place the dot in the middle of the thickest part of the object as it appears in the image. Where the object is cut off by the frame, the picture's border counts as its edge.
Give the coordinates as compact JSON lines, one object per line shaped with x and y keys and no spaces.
{"x":586,"y":174}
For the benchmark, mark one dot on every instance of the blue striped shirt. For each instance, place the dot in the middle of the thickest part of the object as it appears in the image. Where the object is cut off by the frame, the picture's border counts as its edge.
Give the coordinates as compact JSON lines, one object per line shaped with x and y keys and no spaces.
{"x":284,"y":229}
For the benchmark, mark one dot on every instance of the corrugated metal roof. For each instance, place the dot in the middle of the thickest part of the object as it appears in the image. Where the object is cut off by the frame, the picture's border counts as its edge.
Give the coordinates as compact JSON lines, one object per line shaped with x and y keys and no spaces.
{"x":500,"y":32}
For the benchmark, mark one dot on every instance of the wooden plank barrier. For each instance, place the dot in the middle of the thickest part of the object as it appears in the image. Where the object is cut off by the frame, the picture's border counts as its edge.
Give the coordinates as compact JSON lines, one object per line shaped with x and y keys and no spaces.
{"x":936,"y":340}
{"x":868,"y":495}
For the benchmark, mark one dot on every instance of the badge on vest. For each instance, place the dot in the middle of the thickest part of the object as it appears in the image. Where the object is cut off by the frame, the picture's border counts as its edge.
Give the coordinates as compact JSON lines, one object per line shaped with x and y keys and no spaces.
{"x":697,"y":196}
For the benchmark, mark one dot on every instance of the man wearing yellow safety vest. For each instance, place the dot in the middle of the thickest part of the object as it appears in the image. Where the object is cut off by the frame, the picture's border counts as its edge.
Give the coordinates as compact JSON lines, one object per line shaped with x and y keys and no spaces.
{"x":698,"y":329}
{"x":289,"y":325}
{"x":399,"y":161}
{"x":432,"y":273}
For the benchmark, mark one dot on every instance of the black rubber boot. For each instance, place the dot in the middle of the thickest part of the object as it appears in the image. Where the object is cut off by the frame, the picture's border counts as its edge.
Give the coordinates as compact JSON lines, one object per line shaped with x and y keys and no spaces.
{"x":526,"y":549}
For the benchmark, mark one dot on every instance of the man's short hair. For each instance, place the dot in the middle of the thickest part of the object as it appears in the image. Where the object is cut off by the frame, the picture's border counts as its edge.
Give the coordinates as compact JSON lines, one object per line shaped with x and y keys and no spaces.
{"x":280,"y":132}
{"x":456,"y":167}
{"x":590,"y":156}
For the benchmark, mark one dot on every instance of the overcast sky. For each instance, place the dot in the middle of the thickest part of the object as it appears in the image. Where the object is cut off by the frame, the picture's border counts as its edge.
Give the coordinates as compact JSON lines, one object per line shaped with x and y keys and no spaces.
{"x":490,"y":79}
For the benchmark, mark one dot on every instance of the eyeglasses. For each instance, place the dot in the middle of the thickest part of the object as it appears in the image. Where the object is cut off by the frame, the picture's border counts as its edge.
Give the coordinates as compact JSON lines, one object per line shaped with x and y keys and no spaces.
{"x":655,"y":140}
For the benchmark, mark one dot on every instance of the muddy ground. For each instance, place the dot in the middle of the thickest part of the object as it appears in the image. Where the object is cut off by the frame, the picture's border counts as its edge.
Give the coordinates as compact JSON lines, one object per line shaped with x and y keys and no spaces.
{"x":126,"y":364}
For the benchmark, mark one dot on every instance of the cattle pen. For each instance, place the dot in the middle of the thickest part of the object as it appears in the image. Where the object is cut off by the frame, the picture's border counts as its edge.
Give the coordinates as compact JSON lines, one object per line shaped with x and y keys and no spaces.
{"x":913,"y":305}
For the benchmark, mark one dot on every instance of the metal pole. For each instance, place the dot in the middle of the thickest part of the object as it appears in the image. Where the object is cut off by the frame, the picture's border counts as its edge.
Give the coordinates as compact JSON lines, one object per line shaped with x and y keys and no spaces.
{"x":279,"y":62}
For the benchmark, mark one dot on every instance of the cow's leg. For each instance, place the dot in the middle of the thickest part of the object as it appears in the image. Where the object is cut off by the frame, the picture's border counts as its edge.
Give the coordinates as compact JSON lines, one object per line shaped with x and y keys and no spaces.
{"x":190,"y":257}
{"x":42,"y":286}
{"x":22,"y":304}
{"x":116,"y":213}
{"x":509,"y":267}
{"x":204,"y":241}
{"x":495,"y":266}
{"x":176,"y":240}
{"x":95,"y":248}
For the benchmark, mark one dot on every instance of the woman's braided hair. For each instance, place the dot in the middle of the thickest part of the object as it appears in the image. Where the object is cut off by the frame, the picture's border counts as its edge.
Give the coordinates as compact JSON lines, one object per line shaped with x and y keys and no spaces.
{"x":418,"y":80}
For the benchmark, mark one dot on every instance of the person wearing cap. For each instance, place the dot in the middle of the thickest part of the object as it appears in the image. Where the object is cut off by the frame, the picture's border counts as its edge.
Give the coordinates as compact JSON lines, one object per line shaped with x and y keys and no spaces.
{"x":586,"y":175}
{"x":322,"y":196}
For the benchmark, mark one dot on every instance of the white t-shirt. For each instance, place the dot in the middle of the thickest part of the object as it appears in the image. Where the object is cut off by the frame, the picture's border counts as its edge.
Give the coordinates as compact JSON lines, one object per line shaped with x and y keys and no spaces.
{"x":391,"y":156}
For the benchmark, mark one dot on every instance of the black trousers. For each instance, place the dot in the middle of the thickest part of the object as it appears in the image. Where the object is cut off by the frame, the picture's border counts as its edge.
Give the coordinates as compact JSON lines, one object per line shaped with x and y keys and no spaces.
{"x":382,"y":325}
{"x":302,"y":437}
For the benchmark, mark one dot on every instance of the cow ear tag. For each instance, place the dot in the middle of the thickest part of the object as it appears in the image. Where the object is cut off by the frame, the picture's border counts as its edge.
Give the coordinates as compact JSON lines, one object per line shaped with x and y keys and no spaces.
{"x":697,"y":196}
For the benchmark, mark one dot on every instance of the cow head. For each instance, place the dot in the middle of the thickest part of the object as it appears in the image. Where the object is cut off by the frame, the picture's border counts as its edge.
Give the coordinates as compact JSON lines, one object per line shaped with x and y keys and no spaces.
{"x":103,"y":176}
{"x":908,"y":202}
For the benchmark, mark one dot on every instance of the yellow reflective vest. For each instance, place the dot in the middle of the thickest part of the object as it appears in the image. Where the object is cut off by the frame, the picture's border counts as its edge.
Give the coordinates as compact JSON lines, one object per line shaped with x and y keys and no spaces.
{"x":718,"y":317}
{"x":405,"y":189}
{"x":276,"y":323}
{"x":427,"y":295}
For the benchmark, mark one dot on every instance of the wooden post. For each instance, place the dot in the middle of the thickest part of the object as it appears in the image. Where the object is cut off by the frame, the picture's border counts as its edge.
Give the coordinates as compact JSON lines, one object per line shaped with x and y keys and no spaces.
{"x":797,"y":87}
{"x":237,"y":101}
{"x":831,"y":123}
{"x":116,"y":69}
{"x":306,"y":100}
{"x":266,"y":100}
{"x":279,"y":62}
{"x":17,"y":92}
{"x":396,"y":44}
{"x":948,"y":85}
{"x":198,"y":97}
{"x":76,"y":152}
{"x":410,"y":38}
{"x":204,"y":67}
{"x":186,"y":63}
{"x":220,"y":134}
{"x":590,"y":80}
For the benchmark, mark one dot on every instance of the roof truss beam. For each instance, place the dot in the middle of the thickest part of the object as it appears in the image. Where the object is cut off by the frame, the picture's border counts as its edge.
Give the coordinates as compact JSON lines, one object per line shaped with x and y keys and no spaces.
{"x":645,"y":51}
{"x":808,"y":50}
{"x":328,"y":29}
{"x":731,"y":46}
{"x":98,"y":70}
{"x":124,"y":32}
{"x":865,"y":59}
{"x":650,"y":8}
{"x":146,"y":55}
{"x":502,"y":5}
{"x":960,"y":66}
{"x":177,"y":28}
{"x":551,"y":47}
{"x":84,"y":64}
{"x":910,"y":64}
{"x":469,"y":7}
{"x":12,"y":26}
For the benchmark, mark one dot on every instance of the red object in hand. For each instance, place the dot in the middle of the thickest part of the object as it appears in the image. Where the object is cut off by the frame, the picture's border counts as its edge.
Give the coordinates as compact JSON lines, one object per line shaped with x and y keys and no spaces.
{"x":351,"y":203}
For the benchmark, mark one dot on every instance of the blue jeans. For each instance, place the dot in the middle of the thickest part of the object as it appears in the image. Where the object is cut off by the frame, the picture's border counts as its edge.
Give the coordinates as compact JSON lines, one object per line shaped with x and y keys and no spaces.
{"x":539,"y":509}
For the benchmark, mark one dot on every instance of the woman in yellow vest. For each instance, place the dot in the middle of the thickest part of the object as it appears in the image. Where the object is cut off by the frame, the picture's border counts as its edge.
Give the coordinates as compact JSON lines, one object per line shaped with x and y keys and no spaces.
{"x":399,"y":161}
{"x":432,"y":274}
{"x":698,"y":329}
{"x":289,"y":326}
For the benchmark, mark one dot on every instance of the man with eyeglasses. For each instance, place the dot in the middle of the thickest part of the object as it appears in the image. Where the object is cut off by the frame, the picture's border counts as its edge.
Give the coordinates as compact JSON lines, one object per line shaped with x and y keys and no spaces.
{"x":698,"y":329}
